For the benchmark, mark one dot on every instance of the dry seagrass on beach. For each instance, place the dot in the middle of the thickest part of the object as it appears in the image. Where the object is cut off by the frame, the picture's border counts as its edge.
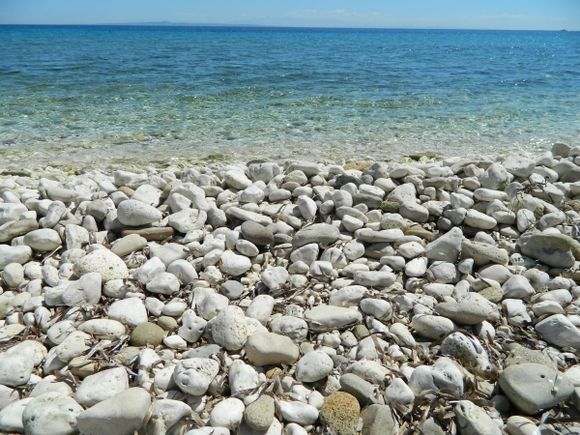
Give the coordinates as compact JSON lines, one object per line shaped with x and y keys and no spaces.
{"x":423,"y":296}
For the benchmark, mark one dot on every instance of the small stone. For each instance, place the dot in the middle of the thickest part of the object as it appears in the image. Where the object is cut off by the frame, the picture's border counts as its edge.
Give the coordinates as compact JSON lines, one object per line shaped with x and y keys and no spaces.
{"x":364,"y":391}
{"x":323,"y":234}
{"x":327,"y":317}
{"x":298,"y":412}
{"x":130,"y":311}
{"x":135,"y":213}
{"x":147,"y":334}
{"x":517,"y":425}
{"x":165,"y":283}
{"x":264,"y":348}
{"x":379,"y":420}
{"x":433,"y":327}
{"x":471,"y":419}
{"x":259,"y":414}
{"x":556,"y":250}
{"x":194,"y":375}
{"x":233,"y":264}
{"x":128,"y":244}
{"x":227,"y":413}
{"x":258,"y":234}
{"x":341,"y":413}
{"x":313,"y":367}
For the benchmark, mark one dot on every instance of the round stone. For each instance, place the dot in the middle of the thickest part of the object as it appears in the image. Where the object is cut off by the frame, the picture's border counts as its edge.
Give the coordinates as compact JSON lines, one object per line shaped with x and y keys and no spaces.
{"x":341,"y":411}
{"x":147,"y":334}
{"x":313,"y":366}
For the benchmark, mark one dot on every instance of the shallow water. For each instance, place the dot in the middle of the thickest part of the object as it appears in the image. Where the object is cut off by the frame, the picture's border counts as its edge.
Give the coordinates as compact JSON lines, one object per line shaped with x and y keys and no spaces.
{"x":147,"y":93}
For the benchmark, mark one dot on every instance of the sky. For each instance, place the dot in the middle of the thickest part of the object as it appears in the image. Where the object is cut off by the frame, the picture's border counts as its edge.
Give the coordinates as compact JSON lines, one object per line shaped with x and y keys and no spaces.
{"x":457,"y":14}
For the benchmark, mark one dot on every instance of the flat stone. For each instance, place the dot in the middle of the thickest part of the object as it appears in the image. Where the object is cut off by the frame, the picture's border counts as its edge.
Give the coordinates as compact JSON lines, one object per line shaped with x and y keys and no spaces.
{"x":323,"y":234}
{"x":379,"y":420}
{"x":14,"y":254}
{"x":433,"y":327}
{"x":364,"y":391}
{"x":483,"y":253}
{"x":258,"y":234}
{"x":264,"y":348}
{"x":447,"y":247}
{"x":128,"y":244}
{"x":471,"y":419}
{"x":43,"y":240}
{"x":534,"y":387}
{"x":556,"y":250}
{"x":135,"y":213}
{"x":121,"y":414}
{"x":467,"y":312}
{"x":151,"y":234}
{"x":559,"y":331}
{"x":327,"y":317}
{"x":233,"y":264}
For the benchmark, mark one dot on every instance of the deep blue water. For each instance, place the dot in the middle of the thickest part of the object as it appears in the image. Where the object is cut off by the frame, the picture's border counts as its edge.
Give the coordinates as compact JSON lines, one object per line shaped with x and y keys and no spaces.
{"x":333,"y":94}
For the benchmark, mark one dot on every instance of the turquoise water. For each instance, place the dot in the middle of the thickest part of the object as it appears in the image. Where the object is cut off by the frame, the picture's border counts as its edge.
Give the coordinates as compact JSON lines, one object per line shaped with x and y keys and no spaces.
{"x":154,"y":92}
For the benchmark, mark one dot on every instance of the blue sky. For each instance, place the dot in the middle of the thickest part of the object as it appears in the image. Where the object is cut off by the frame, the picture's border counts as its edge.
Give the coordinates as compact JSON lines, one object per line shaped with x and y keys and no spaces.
{"x":487,"y":14}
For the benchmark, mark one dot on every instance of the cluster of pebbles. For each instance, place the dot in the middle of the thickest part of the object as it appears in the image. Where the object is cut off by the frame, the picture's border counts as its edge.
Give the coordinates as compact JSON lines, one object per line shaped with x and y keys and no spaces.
{"x":424,"y":296}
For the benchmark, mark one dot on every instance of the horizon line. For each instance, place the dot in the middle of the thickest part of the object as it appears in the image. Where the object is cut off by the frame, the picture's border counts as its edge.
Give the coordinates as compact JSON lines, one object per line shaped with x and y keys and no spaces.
{"x":273,"y":26}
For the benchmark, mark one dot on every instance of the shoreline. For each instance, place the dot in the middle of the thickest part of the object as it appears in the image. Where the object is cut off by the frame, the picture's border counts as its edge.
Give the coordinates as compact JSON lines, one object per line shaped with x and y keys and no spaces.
{"x":271,"y":297}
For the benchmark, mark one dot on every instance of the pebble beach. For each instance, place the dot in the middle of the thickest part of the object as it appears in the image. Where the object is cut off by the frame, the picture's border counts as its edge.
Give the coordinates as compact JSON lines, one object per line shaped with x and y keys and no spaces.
{"x":417,"y":296}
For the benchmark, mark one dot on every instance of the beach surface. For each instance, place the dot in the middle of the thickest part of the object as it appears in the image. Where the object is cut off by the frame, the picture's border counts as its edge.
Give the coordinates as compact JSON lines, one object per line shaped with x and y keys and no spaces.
{"x":267,"y":298}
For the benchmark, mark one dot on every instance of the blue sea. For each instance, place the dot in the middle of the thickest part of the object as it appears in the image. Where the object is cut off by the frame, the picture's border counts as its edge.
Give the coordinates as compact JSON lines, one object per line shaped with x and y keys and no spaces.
{"x":109,"y":93}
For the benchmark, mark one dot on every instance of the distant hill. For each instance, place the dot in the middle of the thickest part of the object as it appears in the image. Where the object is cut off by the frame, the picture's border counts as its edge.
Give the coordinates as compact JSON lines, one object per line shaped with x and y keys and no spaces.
{"x":174,"y":24}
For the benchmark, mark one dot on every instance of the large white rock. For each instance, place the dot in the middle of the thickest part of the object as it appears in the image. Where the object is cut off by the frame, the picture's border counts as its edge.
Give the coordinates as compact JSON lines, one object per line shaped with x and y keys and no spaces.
{"x":297,"y":412}
{"x":233,"y":264}
{"x":11,"y":416}
{"x":243,"y":378}
{"x":43,"y":240}
{"x":102,"y":385}
{"x":14,"y":254}
{"x":559,"y":331}
{"x":230,"y":328}
{"x":15,"y":370}
{"x":121,"y":414}
{"x":51,"y":414}
{"x":532,"y":387}
{"x":194,"y":375}
{"x":136,"y":213}
{"x":264,"y":348}
{"x":314,"y":366}
{"x":164,"y":283}
{"x":131,"y":311}
{"x":104,"y":262}
{"x":227,"y":413}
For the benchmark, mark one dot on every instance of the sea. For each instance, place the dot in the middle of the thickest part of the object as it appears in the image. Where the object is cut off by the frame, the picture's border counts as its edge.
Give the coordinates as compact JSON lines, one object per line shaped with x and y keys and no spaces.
{"x":113,"y":94}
